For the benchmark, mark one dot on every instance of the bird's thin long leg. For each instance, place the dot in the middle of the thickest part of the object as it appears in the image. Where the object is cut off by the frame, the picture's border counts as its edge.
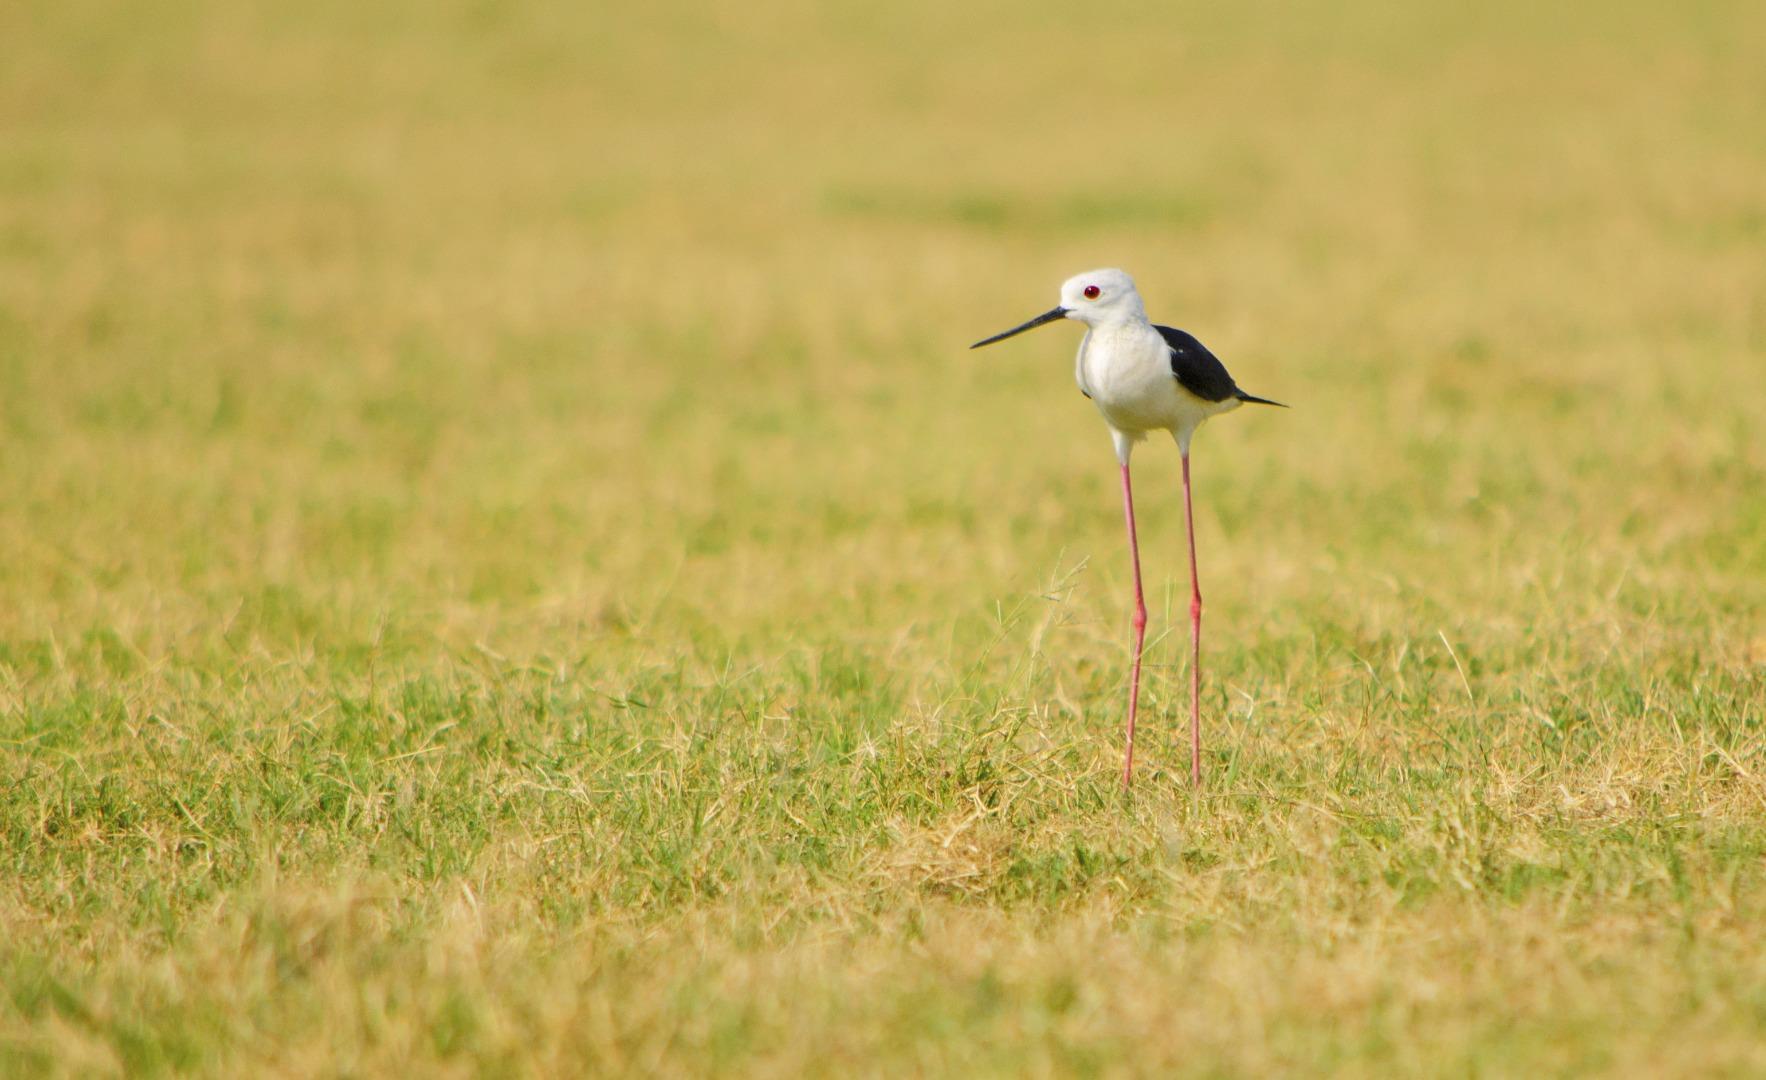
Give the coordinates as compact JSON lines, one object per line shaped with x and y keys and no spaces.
{"x":1189,"y":519}
{"x":1140,"y":624}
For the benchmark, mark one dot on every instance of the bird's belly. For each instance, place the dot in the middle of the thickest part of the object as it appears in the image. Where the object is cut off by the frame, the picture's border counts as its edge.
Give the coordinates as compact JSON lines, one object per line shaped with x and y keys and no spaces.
{"x":1139,"y":397}
{"x":1157,"y":405}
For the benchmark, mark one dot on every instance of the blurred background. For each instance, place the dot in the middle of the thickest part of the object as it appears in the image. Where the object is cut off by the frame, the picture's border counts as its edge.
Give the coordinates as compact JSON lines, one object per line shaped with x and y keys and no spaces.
{"x":443,"y":311}
{"x":507,"y":562}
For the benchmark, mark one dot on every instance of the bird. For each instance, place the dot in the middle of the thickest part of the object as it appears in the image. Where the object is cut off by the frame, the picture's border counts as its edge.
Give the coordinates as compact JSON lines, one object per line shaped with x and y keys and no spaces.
{"x":1144,"y":378}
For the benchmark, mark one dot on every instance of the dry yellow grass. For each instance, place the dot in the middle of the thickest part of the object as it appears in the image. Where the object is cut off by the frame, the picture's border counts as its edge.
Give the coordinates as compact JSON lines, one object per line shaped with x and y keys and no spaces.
{"x":506,"y":564}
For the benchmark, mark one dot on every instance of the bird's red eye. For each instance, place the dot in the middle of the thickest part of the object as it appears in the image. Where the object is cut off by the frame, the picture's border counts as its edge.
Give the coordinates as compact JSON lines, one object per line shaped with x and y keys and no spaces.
{"x":1091,"y":292}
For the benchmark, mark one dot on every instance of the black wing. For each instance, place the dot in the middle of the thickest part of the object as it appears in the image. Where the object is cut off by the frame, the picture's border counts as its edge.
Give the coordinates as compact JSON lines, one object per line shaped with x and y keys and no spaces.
{"x":1198,"y":370}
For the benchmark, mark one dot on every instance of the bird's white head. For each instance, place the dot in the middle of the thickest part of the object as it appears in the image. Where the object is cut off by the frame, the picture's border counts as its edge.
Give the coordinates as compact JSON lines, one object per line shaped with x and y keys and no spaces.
{"x":1101,"y":296}
{"x":1095,"y":298}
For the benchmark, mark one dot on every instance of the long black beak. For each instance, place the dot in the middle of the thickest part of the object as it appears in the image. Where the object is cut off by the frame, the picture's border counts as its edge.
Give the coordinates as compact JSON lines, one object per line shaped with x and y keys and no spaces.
{"x":1045,"y":317}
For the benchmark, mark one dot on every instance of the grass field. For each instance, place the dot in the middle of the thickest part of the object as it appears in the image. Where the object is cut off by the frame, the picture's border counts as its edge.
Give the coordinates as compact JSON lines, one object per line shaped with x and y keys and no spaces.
{"x":507,"y":566}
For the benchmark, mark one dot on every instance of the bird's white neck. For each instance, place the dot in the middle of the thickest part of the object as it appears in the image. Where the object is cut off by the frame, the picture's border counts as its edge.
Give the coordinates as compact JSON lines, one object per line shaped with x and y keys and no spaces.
{"x":1117,"y":321}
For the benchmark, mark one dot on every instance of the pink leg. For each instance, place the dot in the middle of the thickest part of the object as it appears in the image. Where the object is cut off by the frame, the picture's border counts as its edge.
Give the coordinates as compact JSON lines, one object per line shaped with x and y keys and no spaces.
{"x":1140,"y":624}
{"x":1189,"y":520}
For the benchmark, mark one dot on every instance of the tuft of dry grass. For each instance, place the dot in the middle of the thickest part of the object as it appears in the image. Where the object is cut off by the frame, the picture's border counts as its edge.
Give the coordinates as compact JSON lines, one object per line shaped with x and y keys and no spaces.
{"x":506,"y":565}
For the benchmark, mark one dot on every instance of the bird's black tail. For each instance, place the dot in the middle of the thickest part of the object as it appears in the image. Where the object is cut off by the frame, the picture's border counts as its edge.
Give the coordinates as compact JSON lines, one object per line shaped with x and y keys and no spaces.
{"x":1242,"y":396}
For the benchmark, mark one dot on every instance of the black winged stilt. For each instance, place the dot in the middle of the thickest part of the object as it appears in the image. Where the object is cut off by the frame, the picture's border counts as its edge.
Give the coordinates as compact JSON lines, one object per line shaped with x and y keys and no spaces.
{"x":1145,"y":378}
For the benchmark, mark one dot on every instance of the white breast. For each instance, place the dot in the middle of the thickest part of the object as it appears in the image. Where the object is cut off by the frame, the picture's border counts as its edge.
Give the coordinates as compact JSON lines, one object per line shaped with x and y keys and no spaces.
{"x":1127,"y":371}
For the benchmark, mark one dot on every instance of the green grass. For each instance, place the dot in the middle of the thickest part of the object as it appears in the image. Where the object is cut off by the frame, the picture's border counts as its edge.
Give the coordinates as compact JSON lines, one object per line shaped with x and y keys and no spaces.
{"x":506,"y":565}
